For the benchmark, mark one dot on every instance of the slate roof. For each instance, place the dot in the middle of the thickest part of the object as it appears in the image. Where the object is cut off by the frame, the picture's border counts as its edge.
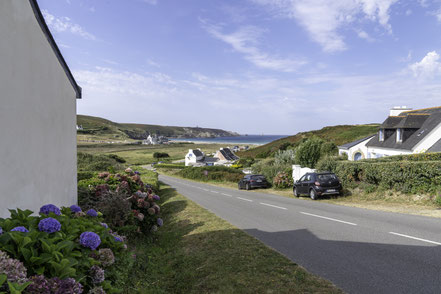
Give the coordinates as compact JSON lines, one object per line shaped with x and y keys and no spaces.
{"x":427,"y":125}
{"x":413,"y":121}
{"x":352,"y":144}
{"x":47,"y":33}
{"x":197,"y":153}
{"x":436,"y":147}
{"x":391,"y":122}
{"x":226,"y":152}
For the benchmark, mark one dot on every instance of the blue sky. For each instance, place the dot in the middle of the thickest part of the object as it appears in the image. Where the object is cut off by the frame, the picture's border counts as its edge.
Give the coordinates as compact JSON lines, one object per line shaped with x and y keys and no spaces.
{"x":251,"y":66}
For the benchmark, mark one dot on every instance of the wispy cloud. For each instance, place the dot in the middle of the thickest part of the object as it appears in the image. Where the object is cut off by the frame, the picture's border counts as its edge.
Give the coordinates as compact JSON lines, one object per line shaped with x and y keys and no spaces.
{"x":323,"y":19}
{"x":245,"y":40}
{"x":151,"y":2}
{"x":65,"y":24}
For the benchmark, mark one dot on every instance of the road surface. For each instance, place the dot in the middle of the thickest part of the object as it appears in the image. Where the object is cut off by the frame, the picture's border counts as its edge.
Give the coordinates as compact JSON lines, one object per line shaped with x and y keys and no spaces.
{"x":359,"y":250}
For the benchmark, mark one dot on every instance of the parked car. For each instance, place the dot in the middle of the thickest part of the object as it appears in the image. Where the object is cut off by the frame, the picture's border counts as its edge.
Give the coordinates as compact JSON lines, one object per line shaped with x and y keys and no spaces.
{"x":253,"y":181}
{"x":317,"y":184}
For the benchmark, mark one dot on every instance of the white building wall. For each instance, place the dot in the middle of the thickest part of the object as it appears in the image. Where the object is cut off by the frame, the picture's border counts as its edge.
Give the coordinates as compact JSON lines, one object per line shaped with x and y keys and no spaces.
{"x":375,"y":152}
{"x":298,"y":171}
{"x":429,"y":140}
{"x":360,"y":147}
{"x":37,"y":116}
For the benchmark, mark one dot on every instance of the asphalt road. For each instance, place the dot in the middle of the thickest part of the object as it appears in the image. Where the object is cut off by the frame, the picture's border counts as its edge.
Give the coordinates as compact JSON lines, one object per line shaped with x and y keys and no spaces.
{"x":359,"y":250}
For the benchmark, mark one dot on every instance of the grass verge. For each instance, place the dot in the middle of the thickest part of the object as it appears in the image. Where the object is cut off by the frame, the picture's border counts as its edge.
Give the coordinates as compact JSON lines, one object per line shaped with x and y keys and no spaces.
{"x":197,"y":252}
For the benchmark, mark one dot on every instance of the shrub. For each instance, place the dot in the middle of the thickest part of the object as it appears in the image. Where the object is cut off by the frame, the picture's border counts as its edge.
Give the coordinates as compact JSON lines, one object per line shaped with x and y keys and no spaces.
{"x":285,"y":157}
{"x":309,"y":152}
{"x":283,"y":180}
{"x":327,"y":164}
{"x":160,"y":155}
{"x":84,"y":175}
{"x":89,"y":162}
{"x":212,"y":173}
{"x":50,"y":250}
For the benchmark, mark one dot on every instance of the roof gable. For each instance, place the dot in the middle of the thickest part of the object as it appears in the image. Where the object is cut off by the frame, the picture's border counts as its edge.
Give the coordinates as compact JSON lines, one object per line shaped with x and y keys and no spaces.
{"x":53,"y":44}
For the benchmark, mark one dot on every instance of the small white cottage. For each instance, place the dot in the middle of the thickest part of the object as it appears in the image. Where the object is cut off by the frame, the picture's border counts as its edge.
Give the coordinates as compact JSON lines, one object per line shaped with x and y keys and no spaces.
{"x":37,"y":113}
{"x":405,"y":131}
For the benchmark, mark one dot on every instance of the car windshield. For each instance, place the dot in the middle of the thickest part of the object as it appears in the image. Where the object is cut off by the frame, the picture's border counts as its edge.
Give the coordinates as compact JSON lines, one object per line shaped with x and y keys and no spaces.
{"x":326,"y":177}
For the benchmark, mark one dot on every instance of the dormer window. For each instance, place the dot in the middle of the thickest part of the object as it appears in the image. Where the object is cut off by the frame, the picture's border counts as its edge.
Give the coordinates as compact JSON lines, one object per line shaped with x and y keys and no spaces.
{"x":399,"y":135}
{"x":381,"y":135}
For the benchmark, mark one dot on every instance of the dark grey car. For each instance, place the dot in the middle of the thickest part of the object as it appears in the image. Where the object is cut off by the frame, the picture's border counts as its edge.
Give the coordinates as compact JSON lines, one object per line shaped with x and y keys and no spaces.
{"x":253,"y":181}
{"x":317,"y":184}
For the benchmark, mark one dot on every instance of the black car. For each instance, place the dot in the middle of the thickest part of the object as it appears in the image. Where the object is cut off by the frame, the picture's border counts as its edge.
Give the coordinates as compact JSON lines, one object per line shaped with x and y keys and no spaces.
{"x":253,"y":181}
{"x":317,"y":184}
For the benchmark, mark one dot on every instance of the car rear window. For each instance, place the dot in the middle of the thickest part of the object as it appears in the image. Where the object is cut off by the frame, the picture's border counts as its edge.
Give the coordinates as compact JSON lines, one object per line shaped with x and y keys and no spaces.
{"x":258,"y":177}
{"x":326,"y":177}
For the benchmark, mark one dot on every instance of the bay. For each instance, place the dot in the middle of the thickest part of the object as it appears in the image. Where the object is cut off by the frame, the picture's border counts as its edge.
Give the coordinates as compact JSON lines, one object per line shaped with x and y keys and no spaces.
{"x":239,"y":140}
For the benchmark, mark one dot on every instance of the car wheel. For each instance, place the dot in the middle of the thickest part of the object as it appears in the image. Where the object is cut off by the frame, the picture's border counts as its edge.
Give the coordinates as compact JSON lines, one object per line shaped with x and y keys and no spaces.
{"x":248,"y":186}
{"x":313,"y":194}
{"x":238,"y":186}
{"x":295,"y":192}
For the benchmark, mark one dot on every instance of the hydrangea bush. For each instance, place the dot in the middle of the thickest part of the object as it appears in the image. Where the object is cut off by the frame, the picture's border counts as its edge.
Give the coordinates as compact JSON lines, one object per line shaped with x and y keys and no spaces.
{"x":59,"y":251}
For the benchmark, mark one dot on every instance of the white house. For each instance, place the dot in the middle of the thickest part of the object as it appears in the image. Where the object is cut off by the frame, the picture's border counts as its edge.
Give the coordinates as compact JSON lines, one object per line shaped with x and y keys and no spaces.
{"x":155,"y":140}
{"x":37,"y":113}
{"x":194,"y":157}
{"x":405,"y":131}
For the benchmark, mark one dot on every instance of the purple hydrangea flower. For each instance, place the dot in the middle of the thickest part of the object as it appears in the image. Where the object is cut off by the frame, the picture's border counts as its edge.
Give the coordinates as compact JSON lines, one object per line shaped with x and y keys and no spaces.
{"x":104,"y":225}
{"x":90,"y":240}
{"x":117,"y":239}
{"x":75,"y":208}
{"x":106,"y":256}
{"x":49,"y":225}
{"x":1,"y":230}
{"x":160,"y":222}
{"x":92,"y":212}
{"x":156,"y":197}
{"x":137,"y":172}
{"x":46,"y":209}
{"x":20,"y":229}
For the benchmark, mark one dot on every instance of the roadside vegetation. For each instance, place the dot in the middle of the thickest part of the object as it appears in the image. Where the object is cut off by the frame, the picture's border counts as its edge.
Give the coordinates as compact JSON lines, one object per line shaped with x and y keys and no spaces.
{"x":197,"y":252}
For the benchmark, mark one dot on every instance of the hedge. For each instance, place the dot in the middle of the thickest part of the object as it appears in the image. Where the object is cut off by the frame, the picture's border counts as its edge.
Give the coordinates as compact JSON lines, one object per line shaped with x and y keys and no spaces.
{"x":405,"y":176}
{"x":410,"y":157}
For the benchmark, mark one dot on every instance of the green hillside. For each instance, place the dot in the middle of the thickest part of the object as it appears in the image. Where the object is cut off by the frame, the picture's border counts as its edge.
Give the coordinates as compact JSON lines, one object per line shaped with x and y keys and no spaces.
{"x":98,"y":128}
{"x":338,"y":134}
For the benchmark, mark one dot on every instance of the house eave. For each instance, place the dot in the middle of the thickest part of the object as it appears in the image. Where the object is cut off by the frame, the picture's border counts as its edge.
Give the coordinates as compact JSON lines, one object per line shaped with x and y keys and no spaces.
{"x":53,"y":44}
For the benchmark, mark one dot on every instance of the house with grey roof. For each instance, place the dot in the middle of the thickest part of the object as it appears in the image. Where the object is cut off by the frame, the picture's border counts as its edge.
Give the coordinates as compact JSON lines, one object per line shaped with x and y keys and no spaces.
{"x":405,"y":131}
{"x":37,"y":113}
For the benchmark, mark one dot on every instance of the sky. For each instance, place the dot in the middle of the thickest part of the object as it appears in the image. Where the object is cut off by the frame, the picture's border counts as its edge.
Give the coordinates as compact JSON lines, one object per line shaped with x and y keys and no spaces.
{"x":250,"y":66}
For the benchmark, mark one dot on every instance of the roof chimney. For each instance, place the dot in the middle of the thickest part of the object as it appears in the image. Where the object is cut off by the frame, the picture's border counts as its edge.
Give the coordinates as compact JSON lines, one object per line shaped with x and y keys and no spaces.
{"x":396,"y":110}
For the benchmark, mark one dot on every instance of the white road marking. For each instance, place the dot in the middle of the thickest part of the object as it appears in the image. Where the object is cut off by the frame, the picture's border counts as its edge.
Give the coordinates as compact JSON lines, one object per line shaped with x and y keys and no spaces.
{"x":214,"y":191}
{"x":415,"y":238}
{"x":328,"y":218}
{"x":227,"y":195}
{"x":206,"y":190}
{"x":275,"y":206}
{"x":249,"y":200}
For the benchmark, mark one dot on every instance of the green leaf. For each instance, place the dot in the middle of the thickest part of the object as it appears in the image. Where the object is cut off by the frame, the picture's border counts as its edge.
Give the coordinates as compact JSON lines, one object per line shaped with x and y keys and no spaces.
{"x":3,"y":278}
{"x":26,"y":241}
{"x":27,"y":254}
{"x":16,"y":288}
{"x":40,"y":270}
{"x":45,"y":246}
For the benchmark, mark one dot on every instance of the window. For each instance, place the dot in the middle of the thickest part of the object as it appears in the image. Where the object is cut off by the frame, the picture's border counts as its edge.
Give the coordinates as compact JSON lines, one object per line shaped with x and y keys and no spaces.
{"x":399,"y":135}
{"x":381,"y":135}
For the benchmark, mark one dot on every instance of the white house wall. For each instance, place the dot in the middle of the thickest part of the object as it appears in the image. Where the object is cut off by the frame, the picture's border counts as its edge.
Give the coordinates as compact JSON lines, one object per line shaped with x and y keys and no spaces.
{"x":360,"y":147}
{"x":37,"y":116}
{"x":375,"y":152}
{"x":429,"y":140}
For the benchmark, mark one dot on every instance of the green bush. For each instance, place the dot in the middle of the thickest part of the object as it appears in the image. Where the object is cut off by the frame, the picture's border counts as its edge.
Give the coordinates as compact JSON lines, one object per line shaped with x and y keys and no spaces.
{"x":212,"y":173}
{"x":309,"y":152}
{"x":170,"y":166}
{"x":84,"y":175}
{"x":404,"y":176}
{"x":58,"y":252}
{"x":89,"y":162}
{"x":160,"y":155}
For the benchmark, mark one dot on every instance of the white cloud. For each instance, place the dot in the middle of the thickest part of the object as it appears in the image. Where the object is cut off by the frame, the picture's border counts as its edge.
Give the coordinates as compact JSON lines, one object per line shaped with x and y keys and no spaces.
{"x":323,"y":19}
{"x":246,"y":40}
{"x":364,"y":35}
{"x":151,"y":2}
{"x":428,"y":67}
{"x":64,"y":24}
{"x":153,"y":63}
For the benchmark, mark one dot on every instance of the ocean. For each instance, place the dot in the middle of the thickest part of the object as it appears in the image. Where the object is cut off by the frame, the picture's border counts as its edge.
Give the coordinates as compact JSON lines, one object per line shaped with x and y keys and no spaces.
{"x":239,"y":140}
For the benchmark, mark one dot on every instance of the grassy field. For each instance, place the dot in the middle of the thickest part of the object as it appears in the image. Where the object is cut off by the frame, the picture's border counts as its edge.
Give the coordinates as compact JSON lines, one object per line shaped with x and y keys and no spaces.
{"x":337,"y":134}
{"x":143,"y":154}
{"x":197,"y":252}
